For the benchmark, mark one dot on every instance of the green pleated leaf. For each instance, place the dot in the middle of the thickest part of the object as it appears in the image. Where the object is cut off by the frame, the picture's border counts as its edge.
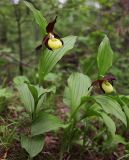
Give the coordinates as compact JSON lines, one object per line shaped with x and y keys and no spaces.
{"x":66,"y":98}
{"x":45,"y":122}
{"x":109,"y":123}
{"x":126,"y":110}
{"x":33,"y":145}
{"x":32,"y":96}
{"x":49,"y":58}
{"x":112,"y":142}
{"x":125,"y":106}
{"x":78,"y":85}
{"x":41,"y":96}
{"x":33,"y":91}
{"x":105,"y":56}
{"x":26,"y":97}
{"x":40,"y":20}
{"x":119,"y":139}
{"x":25,"y":94}
{"x":109,"y":105}
{"x":18,"y":80}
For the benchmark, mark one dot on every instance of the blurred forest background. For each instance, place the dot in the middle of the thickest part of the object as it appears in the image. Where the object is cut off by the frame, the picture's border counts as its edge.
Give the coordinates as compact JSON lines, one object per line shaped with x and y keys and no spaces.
{"x":90,"y":20}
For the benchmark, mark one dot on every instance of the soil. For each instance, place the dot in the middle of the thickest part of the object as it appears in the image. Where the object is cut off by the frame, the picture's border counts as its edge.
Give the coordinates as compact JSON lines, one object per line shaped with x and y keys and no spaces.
{"x":51,"y":149}
{"x":51,"y":152}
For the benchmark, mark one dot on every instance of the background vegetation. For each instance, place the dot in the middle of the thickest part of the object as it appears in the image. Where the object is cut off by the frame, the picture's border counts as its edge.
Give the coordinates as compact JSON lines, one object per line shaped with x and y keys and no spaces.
{"x":96,"y":18}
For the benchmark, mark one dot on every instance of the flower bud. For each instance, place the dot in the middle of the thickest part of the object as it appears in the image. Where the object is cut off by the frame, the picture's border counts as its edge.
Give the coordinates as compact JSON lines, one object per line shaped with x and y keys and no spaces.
{"x":54,"y":43}
{"x":107,"y":87}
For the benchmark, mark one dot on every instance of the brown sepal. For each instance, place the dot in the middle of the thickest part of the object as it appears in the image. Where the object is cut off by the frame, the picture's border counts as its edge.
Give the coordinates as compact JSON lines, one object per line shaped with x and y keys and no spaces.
{"x":50,"y":26}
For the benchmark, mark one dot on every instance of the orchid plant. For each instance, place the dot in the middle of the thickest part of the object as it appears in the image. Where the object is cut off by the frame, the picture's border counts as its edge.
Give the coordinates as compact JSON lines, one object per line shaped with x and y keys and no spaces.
{"x":85,"y":105}
{"x":78,"y":95}
{"x":34,"y":96}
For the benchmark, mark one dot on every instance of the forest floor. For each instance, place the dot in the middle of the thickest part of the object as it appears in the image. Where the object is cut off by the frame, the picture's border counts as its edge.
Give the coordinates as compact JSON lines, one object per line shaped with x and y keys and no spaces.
{"x":51,"y":149}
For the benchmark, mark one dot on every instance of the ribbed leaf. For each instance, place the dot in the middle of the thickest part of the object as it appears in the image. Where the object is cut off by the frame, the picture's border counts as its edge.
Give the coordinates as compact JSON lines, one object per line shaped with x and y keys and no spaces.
{"x":6,"y":92}
{"x":41,"y":96}
{"x":32,"y":96}
{"x":126,"y":110}
{"x":78,"y":85}
{"x":40,"y":20}
{"x":50,"y":58}
{"x":26,"y":97}
{"x":96,"y":110}
{"x":109,"y":123}
{"x":125,"y":105}
{"x":66,"y":98}
{"x":33,"y":91}
{"x":18,"y":80}
{"x":111,"y":106}
{"x":119,"y":139}
{"x":45,"y":122}
{"x":105,"y":56}
{"x":33,"y":145}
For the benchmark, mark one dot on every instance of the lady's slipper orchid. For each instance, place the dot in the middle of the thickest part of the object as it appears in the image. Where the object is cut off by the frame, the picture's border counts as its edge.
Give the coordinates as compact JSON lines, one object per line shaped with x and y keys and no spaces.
{"x":105,"y":84}
{"x":52,"y":41}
